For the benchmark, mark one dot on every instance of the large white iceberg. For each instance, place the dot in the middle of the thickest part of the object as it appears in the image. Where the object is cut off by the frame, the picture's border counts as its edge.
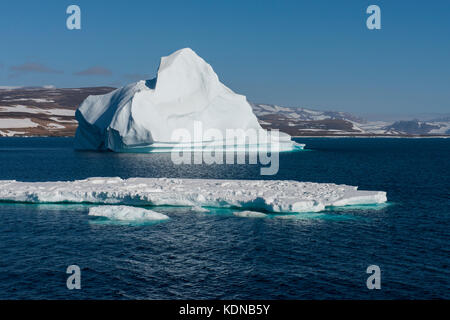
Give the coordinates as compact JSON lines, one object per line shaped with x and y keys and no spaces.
{"x":255,"y":195}
{"x":144,"y":116}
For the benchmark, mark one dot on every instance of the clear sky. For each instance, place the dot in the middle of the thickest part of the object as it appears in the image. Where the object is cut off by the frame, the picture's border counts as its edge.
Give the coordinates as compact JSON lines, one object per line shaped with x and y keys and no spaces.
{"x":316,"y":54}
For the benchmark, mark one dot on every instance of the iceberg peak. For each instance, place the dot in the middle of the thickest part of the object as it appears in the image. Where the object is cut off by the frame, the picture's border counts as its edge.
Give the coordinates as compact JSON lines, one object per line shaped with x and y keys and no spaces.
{"x":184,"y":74}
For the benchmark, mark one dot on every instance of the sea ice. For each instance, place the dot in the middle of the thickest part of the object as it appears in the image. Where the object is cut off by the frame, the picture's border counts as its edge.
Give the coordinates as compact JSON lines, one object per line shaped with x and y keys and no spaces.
{"x":126,"y":213}
{"x":199,"y":209}
{"x":249,"y":214}
{"x":256,"y":195}
{"x":147,"y":116}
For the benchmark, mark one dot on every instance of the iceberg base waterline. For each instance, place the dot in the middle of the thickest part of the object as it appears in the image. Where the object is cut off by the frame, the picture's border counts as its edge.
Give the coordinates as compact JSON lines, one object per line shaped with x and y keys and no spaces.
{"x":256,"y":195}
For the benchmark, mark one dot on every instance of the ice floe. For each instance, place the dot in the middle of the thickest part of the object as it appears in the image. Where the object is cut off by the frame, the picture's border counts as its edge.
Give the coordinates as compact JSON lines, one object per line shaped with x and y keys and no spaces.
{"x":257,"y":195}
{"x":249,"y":214}
{"x":126,"y":213}
{"x":199,"y":209}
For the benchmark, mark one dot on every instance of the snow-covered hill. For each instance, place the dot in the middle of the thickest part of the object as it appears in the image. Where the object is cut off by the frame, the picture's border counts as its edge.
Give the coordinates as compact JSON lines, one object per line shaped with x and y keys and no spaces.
{"x":302,"y":113}
{"x":303,"y":122}
{"x":41,"y":111}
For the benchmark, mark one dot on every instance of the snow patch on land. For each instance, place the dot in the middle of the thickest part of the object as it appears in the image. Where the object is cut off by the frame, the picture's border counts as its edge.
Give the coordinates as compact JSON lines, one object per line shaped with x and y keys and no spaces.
{"x":62,"y":121}
{"x":17,"y":123}
{"x":38,"y":100}
{"x":10,"y":133}
{"x":26,"y":109}
{"x":55,"y":126}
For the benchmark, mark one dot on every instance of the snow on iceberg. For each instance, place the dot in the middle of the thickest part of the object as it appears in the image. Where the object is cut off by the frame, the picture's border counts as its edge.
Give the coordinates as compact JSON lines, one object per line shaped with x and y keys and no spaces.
{"x":126,"y":213}
{"x":255,"y":195}
{"x":144,"y":116}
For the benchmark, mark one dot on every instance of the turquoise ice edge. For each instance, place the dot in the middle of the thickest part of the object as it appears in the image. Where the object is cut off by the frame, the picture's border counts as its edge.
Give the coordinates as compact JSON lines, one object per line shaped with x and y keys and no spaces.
{"x":236,"y":148}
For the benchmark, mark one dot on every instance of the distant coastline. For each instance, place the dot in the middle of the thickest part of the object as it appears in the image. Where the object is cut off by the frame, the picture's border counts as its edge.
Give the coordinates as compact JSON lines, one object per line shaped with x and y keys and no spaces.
{"x":297,"y":137}
{"x":379,"y":136}
{"x":50,"y":112}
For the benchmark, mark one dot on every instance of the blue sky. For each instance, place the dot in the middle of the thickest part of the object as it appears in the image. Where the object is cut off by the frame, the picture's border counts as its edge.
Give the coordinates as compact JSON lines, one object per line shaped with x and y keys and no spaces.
{"x":316,"y":54}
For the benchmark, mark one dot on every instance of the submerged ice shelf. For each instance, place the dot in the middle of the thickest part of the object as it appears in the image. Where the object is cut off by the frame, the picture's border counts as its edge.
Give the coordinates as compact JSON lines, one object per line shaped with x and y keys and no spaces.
{"x":256,"y":195}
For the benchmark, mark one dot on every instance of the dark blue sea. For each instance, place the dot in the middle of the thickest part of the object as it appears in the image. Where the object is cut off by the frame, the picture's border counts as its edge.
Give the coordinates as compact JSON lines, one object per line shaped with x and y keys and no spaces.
{"x":217,"y":255}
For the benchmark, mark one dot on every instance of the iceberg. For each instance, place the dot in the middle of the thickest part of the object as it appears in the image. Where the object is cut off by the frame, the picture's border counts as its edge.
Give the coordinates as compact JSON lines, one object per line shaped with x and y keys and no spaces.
{"x":254,"y":195}
{"x":126,"y":213}
{"x":146,"y":115}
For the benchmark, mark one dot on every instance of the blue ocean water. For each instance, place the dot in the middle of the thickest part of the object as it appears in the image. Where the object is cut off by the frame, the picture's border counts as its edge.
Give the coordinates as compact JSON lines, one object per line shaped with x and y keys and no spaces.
{"x":220,"y":256}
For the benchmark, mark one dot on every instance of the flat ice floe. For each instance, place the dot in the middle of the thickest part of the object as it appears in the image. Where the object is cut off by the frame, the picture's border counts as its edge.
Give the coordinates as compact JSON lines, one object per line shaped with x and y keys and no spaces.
{"x":126,"y":213}
{"x":257,"y":195}
{"x":249,"y":214}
